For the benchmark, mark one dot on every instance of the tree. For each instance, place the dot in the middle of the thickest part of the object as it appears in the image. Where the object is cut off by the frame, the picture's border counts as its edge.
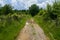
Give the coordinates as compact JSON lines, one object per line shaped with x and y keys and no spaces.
{"x":56,"y":10}
{"x":50,"y":12}
{"x":53,"y":11}
{"x":34,"y":9}
{"x":7,"y":9}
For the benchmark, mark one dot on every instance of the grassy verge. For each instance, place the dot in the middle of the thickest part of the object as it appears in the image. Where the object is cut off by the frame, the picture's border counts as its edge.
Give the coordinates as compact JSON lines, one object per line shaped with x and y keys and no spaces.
{"x":10,"y":26}
{"x":50,"y":28}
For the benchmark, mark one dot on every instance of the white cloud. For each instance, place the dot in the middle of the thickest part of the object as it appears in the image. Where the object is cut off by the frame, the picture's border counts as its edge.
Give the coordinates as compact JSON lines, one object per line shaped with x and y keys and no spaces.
{"x":26,"y":3}
{"x":2,"y":3}
{"x":13,"y":1}
{"x":29,"y":3}
{"x":44,"y":4}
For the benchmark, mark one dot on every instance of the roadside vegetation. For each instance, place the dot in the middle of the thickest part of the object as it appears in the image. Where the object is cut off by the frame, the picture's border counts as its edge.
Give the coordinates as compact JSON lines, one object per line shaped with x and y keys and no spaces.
{"x":12,"y":21}
{"x":49,"y":20}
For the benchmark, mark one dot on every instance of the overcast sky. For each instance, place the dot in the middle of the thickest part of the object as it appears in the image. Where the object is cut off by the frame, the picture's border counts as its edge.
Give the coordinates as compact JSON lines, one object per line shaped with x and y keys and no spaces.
{"x":24,"y":4}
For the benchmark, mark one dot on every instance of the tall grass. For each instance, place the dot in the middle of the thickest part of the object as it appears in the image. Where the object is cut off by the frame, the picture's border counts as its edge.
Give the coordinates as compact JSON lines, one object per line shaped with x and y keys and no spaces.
{"x":10,"y":26}
{"x":50,"y":28}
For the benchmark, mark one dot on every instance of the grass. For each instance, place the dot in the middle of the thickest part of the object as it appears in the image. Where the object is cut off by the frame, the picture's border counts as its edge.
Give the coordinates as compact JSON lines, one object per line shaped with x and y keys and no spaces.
{"x":10,"y":26}
{"x":50,"y":28}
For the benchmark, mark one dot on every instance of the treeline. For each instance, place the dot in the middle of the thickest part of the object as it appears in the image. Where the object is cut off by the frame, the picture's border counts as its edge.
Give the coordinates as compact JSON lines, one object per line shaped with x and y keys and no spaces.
{"x":8,"y":9}
{"x":51,"y":11}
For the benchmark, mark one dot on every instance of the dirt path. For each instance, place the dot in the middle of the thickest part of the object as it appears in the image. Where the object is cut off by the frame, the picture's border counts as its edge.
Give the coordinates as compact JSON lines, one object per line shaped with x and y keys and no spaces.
{"x":31,"y":31}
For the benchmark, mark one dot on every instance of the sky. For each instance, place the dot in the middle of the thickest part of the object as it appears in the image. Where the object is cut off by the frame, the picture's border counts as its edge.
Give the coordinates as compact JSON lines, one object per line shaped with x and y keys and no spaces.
{"x":25,"y":4}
